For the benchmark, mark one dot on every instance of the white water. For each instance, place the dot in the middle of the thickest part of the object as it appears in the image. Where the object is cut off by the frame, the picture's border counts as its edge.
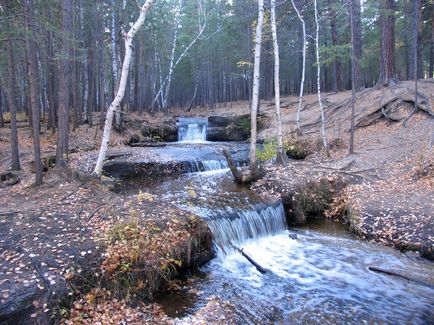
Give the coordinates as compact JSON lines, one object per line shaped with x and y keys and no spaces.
{"x":242,"y":225}
{"x":208,"y":165}
{"x":322,"y":279}
{"x":317,"y":278}
{"x":192,"y":132}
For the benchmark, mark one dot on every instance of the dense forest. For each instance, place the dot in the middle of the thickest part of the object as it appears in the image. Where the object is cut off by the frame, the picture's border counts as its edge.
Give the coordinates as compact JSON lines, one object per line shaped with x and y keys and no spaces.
{"x":196,"y":52}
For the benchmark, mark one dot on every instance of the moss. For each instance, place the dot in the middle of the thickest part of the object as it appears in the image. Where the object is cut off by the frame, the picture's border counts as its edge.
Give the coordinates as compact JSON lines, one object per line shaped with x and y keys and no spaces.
{"x":298,"y":148}
{"x":309,"y":201}
{"x":244,"y":123}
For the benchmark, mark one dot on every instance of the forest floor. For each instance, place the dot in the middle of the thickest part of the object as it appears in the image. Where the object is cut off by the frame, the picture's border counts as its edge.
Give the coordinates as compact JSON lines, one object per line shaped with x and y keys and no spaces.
{"x":54,"y":239}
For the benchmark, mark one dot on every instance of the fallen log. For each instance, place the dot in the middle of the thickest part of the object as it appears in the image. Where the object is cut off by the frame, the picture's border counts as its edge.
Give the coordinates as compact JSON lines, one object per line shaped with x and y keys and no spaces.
{"x":251,"y":260}
{"x":148,"y":144}
{"x":391,"y":273}
{"x":231,"y":163}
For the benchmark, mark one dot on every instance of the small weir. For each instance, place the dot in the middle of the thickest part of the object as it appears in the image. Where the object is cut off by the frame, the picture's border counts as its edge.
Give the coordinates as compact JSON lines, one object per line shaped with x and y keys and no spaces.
{"x":192,"y":129}
{"x":244,"y":224}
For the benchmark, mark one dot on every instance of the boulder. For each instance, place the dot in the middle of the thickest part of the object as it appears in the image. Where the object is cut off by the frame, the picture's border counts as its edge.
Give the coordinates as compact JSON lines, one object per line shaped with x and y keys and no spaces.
{"x":229,"y":128}
{"x":165,"y":132}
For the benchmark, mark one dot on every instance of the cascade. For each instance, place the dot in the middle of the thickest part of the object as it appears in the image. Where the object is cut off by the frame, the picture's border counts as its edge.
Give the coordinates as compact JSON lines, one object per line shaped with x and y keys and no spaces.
{"x":192,"y":129}
{"x":244,"y":224}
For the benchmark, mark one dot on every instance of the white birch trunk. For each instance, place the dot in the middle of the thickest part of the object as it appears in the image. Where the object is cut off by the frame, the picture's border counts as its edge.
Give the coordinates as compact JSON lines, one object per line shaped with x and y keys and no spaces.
{"x":303,"y":73}
{"x":255,"y":90}
{"x":172,"y":55}
{"x":163,"y":84}
{"x":280,"y":154}
{"x":122,"y":85}
{"x":323,"y":122}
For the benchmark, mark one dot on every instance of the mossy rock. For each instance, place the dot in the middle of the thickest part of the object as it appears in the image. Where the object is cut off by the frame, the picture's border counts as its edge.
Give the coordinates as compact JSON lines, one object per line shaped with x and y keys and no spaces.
{"x":298,"y":148}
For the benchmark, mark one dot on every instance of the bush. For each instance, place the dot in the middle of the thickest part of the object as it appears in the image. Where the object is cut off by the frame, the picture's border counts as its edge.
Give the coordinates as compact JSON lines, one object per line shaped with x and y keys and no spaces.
{"x":295,"y":148}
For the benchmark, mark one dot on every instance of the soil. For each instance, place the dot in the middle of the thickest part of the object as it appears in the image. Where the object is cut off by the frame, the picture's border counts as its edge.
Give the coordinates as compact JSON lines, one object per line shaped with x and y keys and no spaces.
{"x":53,"y":239}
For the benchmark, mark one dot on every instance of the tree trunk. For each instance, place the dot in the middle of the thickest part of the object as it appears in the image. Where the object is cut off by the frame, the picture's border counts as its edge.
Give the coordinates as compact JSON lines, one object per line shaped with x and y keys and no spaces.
{"x":281,"y":156}
{"x":323,"y":122}
{"x":255,"y":91}
{"x":122,"y":85}
{"x":172,"y":56}
{"x":64,"y":75}
{"x":303,"y":73}
{"x":181,"y":56}
{"x":32,"y":81}
{"x":387,"y":22}
{"x":354,"y":70}
{"x":337,"y":65}
{"x":15,"y":155}
{"x":431,"y":57}
{"x":356,"y":12}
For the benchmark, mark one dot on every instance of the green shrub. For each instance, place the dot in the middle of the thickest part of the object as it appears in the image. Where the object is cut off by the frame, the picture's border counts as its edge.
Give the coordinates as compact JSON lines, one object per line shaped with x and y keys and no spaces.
{"x":268,"y":151}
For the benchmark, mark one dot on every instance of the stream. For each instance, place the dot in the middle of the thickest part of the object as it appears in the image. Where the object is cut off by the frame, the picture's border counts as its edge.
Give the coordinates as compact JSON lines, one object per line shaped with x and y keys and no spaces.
{"x":317,"y":274}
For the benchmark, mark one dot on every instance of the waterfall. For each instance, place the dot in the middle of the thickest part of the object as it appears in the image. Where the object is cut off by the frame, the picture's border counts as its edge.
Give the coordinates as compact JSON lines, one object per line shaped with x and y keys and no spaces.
{"x":242,"y":225}
{"x":192,"y":129}
{"x":208,"y":165}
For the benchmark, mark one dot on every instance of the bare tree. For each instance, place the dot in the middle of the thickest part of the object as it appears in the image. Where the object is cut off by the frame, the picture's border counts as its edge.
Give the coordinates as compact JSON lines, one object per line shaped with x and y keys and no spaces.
{"x":165,"y":84}
{"x":303,"y":73}
{"x":33,"y":80}
{"x":323,"y":122}
{"x":122,"y":85}
{"x":64,"y":75}
{"x":172,"y":55}
{"x":353,"y":73}
{"x":15,"y":155}
{"x":255,"y":92}
{"x":281,"y":156}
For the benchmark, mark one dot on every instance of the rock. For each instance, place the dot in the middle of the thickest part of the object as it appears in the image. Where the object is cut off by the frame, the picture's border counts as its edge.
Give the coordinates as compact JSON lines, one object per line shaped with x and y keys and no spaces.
{"x":8,"y":179}
{"x":166,"y":132}
{"x":48,"y":162}
{"x":233,"y":128}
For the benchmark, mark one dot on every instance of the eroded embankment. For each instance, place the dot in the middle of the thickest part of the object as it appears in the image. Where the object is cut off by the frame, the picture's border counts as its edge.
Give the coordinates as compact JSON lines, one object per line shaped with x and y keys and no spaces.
{"x":399,"y":215}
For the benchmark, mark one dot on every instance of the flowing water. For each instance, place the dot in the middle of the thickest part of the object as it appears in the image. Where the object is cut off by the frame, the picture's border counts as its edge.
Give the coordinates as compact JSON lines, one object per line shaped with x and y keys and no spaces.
{"x":316,"y":275}
{"x":192,"y":129}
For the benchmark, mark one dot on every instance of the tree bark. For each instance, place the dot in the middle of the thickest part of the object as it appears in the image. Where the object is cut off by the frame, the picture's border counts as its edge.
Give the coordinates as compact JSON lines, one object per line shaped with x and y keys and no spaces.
{"x":233,"y":167}
{"x":15,"y":155}
{"x":353,"y":71}
{"x":318,"y":80}
{"x":387,"y":22}
{"x":281,"y":156}
{"x":172,"y":56}
{"x":337,"y":64}
{"x":122,"y":85}
{"x":431,"y":57}
{"x":32,"y":81}
{"x":356,"y":12}
{"x":64,"y":76}
{"x":303,"y":73}
{"x":254,"y":171}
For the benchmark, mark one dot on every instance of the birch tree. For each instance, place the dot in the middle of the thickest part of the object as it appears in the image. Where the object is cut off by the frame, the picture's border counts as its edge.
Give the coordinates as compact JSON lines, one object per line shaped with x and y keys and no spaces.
{"x":165,"y":84}
{"x":281,"y":156}
{"x":318,"y":80}
{"x":122,"y":85}
{"x":255,"y":91}
{"x":172,"y":54}
{"x":303,"y":73}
